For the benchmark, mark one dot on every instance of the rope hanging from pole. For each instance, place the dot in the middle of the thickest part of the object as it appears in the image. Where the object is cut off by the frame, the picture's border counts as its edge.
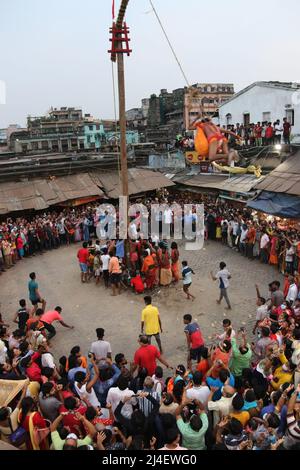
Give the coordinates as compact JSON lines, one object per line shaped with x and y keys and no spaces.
{"x":170,"y":45}
{"x":121,"y":14}
{"x":193,"y":92}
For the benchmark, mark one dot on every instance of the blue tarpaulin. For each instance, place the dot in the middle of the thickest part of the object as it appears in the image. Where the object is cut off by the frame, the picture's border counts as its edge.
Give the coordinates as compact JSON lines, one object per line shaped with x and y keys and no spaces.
{"x":279,"y":204}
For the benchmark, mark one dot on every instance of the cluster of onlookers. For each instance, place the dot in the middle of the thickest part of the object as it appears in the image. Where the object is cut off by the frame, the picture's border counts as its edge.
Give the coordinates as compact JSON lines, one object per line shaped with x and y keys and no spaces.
{"x":263,"y":133}
{"x":271,"y":241}
{"x":230,"y":394}
{"x":252,"y":135}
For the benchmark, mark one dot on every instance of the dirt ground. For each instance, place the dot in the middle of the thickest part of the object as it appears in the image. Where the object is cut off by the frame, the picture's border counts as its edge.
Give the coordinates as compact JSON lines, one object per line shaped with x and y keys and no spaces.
{"x":87,"y":306}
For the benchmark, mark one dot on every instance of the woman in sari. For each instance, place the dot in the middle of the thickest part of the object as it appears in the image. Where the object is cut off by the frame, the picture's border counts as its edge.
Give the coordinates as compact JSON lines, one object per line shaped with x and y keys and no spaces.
{"x":31,"y":420}
{"x":273,"y":259}
{"x":78,"y":232}
{"x":256,"y":247}
{"x":175,"y":262}
{"x":149,"y":269}
{"x":165,"y":268}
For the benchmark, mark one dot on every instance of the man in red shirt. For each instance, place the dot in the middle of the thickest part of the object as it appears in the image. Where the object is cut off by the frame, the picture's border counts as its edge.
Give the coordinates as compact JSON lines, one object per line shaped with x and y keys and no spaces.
{"x":51,"y":316}
{"x":69,"y":409}
{"x":145,"y":357}
{"x":83,"y":255}
{"x":270,"y":134}
{"x":32,"y":369}
{"x":195,"y":341}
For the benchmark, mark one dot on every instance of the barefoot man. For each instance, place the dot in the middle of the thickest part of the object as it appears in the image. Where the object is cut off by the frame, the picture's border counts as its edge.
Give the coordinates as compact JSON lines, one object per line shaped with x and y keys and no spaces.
{"x":187,"y":279}
{"x":216,"y":140}
{"x":223,"y":275}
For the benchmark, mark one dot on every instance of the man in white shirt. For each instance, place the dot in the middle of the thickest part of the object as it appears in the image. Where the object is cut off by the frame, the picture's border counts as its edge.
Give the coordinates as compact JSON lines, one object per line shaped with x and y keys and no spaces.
{"x":293,"y":290}
{"x":228,"y":333}
{"x":235,"y":228}
{"x":83,"y":386}
{"x":223,"y":406}
{"x":223,"y":275}
{"x":118,"y":393}
{"x":261,"y":311}
{"x":168,"y":219}
{"x":105,"y":259}
{"x":277,"y":132}
{"x":132,"y":231}
{"x":289,"y":259}
{"x":264,"y":244}
{"x":243,"y":238}
{"x":100,"y":348}
{"x":198,"y":391}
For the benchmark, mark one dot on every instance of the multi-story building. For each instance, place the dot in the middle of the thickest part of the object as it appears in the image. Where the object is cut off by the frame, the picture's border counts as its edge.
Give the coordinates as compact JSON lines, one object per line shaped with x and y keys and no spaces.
{"x":5,"y":136}
{"x":61,"y":130}
{"x":172,"y":112}
{"x":207,"y":98}
{"x":136,"y":118}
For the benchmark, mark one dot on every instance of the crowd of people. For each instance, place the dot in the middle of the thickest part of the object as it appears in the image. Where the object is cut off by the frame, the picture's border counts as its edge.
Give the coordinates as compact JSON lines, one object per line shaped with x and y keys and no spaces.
{"x":231,"y":393}
{"x":251,"y":135}
{"x":271,"y":240}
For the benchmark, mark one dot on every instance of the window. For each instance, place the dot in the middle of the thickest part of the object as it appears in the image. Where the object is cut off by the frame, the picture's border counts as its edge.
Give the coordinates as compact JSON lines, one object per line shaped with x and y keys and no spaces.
{"x":90,"y":128}
{"x":246,"y":119}
{"x":266,"y":116}
{"x":290,"y":115}
{"x":228,"y":119}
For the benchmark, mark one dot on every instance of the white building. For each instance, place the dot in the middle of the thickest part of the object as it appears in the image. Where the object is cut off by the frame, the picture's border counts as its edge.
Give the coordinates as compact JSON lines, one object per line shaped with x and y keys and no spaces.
{"x":264,"y":101}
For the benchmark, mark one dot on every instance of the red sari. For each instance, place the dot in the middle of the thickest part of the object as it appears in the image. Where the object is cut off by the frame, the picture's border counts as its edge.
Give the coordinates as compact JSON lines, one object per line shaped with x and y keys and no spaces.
{"x":38,"y":422}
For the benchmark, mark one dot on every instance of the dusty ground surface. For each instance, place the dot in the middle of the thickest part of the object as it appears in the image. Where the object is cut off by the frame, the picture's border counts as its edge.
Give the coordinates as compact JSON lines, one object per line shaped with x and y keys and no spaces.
{"x":88,"y":306}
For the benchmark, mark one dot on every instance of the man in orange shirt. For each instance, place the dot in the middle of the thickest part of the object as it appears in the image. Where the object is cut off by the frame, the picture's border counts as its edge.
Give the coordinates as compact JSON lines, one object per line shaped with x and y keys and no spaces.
{"x":51,"y":316}
{"x":115,"y":272}
{"x":250,"y":241}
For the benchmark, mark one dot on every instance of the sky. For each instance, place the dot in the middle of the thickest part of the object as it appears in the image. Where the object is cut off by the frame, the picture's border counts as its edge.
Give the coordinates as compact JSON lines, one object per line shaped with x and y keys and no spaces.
{"x":54,"y":53}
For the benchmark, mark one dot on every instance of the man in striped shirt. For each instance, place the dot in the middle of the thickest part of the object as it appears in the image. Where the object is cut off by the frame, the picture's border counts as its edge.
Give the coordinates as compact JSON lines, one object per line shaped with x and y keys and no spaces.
{"x":292,"y":436}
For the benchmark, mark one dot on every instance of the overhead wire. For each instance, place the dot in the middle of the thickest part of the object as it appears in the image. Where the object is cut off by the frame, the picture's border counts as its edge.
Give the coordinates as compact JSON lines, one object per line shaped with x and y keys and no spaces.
{"x":169,"y":42}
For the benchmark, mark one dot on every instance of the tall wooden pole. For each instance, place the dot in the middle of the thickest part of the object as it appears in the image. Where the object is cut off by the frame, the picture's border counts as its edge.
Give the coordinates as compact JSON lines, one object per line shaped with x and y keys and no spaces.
{"x":122,"y":122}
{"x":122,"y":107}
{"x":122,"y":117}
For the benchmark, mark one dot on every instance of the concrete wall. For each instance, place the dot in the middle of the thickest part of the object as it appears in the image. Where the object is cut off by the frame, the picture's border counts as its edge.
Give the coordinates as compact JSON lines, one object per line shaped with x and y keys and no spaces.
{"x":259,"y":100}
{"x":132,"y":137}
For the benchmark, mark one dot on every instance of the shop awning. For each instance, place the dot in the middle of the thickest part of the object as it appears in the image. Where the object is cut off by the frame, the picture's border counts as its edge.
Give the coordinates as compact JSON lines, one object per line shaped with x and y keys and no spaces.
{"x":279,"y":204}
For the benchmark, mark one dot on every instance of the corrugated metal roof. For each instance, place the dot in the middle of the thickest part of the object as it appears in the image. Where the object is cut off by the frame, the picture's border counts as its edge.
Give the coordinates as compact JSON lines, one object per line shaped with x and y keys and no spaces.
{"x":201,"y":180}
{"x":285,"y":178}
{"x":139,"y":181}
{"x":39,"y":194}
{"x":238,"y":184}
